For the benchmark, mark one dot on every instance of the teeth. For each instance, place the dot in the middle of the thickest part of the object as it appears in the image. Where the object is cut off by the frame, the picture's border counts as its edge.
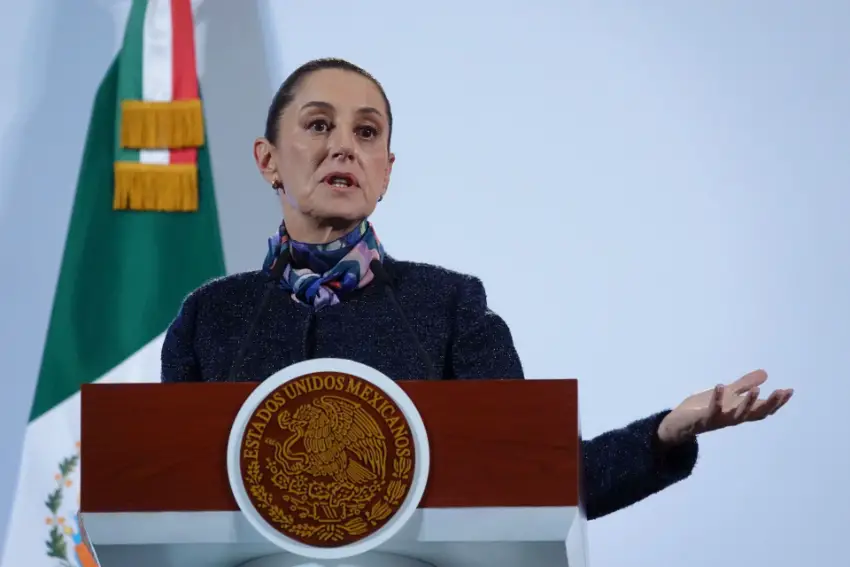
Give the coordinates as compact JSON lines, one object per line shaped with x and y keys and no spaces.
{"x":339,"y":182}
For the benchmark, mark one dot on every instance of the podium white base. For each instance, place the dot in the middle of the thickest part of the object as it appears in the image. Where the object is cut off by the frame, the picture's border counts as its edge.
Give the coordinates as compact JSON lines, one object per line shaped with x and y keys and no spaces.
{"x":453,"y":537}
{"x":371,"y":559}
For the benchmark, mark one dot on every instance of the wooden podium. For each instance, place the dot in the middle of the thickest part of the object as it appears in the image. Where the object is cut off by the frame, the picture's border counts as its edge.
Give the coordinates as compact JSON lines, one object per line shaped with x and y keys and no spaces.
{"x":503,"y":488}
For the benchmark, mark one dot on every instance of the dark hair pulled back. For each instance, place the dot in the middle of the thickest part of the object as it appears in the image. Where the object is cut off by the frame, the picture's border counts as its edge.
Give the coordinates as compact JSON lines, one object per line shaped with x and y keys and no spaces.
{"x":286,"y":92}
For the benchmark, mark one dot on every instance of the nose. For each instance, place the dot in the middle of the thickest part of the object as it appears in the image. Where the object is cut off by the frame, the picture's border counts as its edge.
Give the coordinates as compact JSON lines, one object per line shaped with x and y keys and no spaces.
{"x":341,"y":144}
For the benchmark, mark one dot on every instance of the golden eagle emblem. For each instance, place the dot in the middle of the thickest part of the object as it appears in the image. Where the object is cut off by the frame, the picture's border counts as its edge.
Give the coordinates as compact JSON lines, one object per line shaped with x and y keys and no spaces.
{"x":327,"y":459}
{"x":340,"y":440}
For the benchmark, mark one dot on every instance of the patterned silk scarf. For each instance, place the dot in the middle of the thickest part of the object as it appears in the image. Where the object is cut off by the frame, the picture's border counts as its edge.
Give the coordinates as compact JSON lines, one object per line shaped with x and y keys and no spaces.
{"x":322,"y":274}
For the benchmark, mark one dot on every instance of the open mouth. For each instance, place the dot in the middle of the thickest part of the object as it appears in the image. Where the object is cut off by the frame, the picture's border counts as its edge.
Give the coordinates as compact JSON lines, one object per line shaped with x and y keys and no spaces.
{"x":340,"y":180}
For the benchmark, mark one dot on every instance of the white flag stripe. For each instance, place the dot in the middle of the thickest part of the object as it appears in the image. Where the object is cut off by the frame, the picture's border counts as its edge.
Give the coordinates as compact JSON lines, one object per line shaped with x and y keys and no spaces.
{"x":48,"y":440}
{"x":157,"y":65}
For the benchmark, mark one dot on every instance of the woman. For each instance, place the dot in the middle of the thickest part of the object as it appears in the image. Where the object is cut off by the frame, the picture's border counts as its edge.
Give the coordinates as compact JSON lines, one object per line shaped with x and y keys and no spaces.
{"x":328,"y":289}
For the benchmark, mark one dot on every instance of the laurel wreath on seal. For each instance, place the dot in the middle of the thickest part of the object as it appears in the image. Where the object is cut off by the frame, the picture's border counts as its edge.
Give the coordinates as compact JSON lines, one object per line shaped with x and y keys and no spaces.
{"x":380,"y":510}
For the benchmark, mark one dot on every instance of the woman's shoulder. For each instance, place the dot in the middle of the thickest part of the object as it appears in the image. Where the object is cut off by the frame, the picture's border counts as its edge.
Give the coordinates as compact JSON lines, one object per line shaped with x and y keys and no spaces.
{"x":233,"y":287}
{"x":423,"y":275}
{"x":432,"y":283}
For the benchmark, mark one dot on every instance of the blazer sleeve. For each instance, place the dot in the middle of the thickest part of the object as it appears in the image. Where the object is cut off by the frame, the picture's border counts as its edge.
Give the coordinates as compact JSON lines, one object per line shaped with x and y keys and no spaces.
{"x":179,"y":363}
{"x":622,"y":466}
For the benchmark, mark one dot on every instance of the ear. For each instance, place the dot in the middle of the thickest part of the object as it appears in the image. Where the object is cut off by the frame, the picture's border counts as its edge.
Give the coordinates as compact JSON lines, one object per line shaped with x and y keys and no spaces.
{"x":388,"y":173}
{"x":264,"y":158}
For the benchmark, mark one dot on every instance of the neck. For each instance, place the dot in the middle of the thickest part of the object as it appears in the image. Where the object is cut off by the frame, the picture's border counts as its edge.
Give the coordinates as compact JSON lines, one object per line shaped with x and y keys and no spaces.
{"x":313,"y":231}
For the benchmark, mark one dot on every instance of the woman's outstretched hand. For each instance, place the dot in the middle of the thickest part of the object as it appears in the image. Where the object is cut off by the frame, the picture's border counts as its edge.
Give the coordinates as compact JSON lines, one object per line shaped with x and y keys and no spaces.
{"x":723,"y":406}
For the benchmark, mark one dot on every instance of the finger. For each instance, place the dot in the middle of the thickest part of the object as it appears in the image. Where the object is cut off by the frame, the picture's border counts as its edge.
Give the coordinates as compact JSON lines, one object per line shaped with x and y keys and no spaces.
{"x":763,"y":408}
{"x":715,"y":406}
{"x":748,"y":381}
{"x":786,"y":395}
{"x":746,"y":405}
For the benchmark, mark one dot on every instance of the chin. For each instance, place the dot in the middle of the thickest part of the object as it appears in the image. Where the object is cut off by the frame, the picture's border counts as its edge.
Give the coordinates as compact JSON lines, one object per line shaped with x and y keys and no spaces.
{"x":346,"y":207}
{"x":344,"y":214}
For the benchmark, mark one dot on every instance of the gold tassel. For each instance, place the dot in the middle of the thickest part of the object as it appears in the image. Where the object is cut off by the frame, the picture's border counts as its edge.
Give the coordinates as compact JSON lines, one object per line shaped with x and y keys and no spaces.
{"x":155,"y":187}
{"x":161,"y":125}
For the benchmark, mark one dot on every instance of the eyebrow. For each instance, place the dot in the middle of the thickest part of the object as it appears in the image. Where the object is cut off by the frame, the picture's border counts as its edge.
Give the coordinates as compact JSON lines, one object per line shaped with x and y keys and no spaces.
{"x":328,"y":106}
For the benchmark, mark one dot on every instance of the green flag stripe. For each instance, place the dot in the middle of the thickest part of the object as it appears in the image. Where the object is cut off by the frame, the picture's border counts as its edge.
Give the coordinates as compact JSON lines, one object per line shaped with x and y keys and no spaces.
{"x":130,"y":75}
{"x":124,"y":274}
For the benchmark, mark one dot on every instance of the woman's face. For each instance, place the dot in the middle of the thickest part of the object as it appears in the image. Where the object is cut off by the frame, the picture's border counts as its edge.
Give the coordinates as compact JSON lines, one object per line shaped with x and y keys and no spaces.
{"x":331,"y":154}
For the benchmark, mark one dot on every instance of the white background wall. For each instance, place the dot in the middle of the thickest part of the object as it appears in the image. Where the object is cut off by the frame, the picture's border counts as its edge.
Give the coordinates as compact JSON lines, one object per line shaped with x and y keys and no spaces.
{"x":655,"y":193}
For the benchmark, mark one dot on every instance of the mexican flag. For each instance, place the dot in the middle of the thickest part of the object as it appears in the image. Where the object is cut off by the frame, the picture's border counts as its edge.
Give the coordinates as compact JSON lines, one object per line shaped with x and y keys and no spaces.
{"x":143,"y":234}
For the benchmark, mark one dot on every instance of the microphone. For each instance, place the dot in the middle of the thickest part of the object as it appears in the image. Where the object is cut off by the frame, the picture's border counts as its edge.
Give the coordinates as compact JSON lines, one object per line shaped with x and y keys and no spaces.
{"x":381,"y":275}
{"x":271,"y":282}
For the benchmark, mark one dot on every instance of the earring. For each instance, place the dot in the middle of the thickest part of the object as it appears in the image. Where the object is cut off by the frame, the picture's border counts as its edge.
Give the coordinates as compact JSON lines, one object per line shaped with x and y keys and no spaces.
{"x":277,"y":185}
{"x":381,"y":198}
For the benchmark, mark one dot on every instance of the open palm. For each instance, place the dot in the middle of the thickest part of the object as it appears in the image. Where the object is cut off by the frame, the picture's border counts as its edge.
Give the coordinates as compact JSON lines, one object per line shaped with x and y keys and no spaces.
{"x":723,"y":406}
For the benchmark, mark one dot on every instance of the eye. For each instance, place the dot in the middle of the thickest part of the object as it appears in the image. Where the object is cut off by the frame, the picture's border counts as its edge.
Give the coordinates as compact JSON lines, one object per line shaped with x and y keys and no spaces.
{"x":319,"y":126}
{"x":367,"y":132}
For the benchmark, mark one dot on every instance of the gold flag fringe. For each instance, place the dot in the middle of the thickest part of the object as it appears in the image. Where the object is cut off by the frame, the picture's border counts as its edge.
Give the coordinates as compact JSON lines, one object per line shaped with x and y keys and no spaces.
{"x":161,"y":125}
{"x":155,"y":187}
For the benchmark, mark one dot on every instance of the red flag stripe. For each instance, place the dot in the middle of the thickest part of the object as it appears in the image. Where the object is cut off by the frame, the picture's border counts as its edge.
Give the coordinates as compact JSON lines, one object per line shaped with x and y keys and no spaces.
{"x":184,"y":65}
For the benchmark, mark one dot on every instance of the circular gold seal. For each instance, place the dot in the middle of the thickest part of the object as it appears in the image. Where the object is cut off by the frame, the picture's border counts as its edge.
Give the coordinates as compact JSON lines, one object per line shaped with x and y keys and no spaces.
{"x":327,"y":459}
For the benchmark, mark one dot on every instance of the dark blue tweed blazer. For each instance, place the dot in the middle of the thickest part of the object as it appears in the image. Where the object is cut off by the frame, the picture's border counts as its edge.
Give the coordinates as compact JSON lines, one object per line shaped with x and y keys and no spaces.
{"x":450,"y":334}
